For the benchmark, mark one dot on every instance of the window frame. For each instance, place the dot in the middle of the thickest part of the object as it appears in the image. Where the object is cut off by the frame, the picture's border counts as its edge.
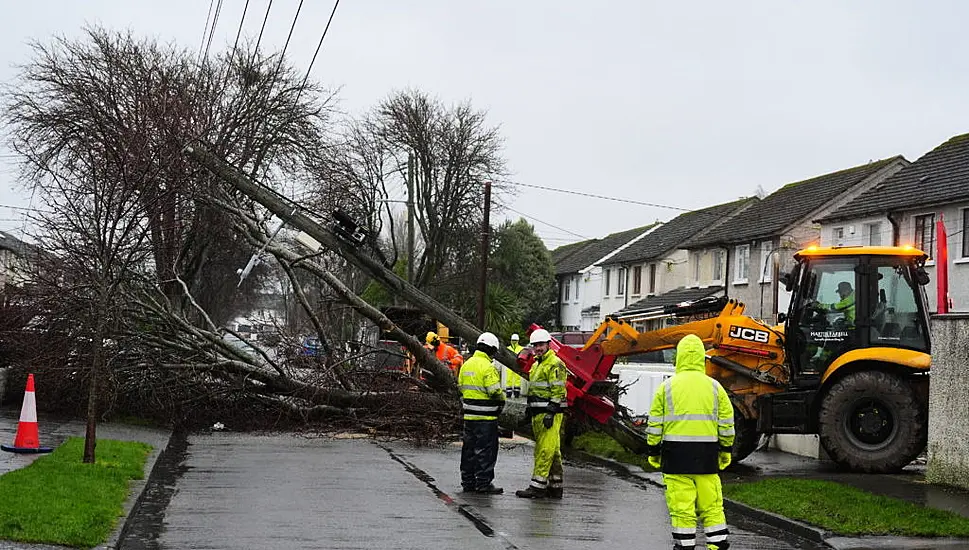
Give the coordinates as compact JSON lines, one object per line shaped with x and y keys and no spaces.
{"x":652,"y":278}
{"x":637,"y":280}
{"x":606,"y":282}
{"x":838,"y":236}
{"x":742,"y":264}
{"x":919,"y":240}
{"x":965,"y":233}
{"x":718,"y":271}
{"x":766,"y":274}
{"x":874,"y":228}
{"x":621,"y":281}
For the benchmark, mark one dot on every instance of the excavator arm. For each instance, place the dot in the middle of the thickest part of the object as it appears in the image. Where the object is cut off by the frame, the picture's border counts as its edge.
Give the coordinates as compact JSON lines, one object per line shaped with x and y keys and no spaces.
{"x":746,"y":356}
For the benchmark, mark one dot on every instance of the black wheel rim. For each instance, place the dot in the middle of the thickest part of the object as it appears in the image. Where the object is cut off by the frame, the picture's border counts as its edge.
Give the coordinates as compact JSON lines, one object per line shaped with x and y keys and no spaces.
{"x":870,"y":424}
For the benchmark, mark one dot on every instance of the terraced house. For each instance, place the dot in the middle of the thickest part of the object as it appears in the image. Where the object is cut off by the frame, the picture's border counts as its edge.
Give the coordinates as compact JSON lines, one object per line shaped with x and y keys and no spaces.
{"x":904,"y":209}
{"x":580,"y":278}
{"x":656,"y":268}
{"x":758,"y":243}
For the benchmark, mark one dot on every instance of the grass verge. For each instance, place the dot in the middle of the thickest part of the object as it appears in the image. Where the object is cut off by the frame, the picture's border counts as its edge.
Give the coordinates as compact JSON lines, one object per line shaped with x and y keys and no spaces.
{"x":846,"y":510}
{"x":60,"y":500}
{"x":600,"y":444}
{"x":838,"y":508}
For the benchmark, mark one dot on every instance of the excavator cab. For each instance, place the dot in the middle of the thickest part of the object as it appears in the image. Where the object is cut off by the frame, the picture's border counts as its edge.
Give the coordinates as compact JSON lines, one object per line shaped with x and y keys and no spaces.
{"x":853,"y":298}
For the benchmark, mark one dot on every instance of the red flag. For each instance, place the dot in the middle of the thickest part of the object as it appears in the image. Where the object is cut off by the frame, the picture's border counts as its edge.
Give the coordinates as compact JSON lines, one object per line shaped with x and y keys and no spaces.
{"x":942,"y":268}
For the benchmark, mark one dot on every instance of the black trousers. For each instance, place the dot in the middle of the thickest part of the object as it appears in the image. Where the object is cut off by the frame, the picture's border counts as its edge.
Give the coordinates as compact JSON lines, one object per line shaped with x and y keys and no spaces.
{"x":479,"y":453}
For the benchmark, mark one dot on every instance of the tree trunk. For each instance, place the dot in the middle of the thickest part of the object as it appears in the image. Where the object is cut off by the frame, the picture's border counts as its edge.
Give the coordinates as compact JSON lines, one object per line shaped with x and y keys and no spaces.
{"x":90,"y":433}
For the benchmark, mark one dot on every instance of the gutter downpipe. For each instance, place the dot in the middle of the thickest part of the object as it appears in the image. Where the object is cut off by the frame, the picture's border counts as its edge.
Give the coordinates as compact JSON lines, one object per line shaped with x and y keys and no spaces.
{"x":896,"y":228}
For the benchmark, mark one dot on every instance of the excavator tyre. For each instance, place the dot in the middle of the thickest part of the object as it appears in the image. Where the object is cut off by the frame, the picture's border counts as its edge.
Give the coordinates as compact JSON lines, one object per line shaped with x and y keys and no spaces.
{"x":872,"y":421}
{"x":747,"y":439}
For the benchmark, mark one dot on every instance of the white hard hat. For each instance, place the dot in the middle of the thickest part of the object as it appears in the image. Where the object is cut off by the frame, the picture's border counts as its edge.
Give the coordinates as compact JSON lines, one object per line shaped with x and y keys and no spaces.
{"x":539,"y":335}
{"x":514,"y":337}
{"x":488,"y":339}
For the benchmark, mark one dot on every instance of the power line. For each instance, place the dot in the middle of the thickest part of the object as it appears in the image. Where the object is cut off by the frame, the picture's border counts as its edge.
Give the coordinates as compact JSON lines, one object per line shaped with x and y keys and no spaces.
{"x":235,"y":44}
{"x":289,"y":36}
{"x":318,"y":46}
{"x":603,"y":197}
{"x":263,"y":27}
{"x":205,"y":31}
{"x":215,"y":22}
{"x":27,"y":208}
{"x":548,"y":224}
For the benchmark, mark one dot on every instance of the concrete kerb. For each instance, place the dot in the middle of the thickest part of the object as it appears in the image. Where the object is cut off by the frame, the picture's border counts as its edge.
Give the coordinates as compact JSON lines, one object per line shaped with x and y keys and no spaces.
{"x":788,"y":525}
{"x":135,"y":495}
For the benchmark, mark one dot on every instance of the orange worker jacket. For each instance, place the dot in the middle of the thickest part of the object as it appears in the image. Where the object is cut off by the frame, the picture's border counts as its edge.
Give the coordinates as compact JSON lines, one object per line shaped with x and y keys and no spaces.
{"x":448,"y":355}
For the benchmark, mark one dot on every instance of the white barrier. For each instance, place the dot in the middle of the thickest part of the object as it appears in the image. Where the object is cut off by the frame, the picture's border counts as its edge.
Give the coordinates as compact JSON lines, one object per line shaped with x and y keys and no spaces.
{"x":641,"y":382}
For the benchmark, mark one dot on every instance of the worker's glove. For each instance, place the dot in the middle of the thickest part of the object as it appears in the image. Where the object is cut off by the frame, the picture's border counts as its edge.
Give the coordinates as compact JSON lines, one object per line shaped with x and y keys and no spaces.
{"x":654,"y":461}
{"x":547,"y":421}
{"x":724,"y":459}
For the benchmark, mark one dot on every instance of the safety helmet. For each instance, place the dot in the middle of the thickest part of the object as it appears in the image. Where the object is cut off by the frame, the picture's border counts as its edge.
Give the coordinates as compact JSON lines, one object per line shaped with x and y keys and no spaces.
{"x":431,"y":336}
{"x":488,"y":339}
{"x":514,"y":337}
{"x":539,"y":336}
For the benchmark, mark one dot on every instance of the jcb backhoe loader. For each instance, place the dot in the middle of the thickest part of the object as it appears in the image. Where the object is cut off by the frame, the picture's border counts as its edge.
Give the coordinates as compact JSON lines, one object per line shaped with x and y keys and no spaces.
{"x":849,"y":361}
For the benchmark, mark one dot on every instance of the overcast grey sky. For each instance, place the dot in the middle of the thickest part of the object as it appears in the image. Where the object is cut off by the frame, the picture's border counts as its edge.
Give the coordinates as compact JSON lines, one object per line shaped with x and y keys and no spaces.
{"x":684,"y":104}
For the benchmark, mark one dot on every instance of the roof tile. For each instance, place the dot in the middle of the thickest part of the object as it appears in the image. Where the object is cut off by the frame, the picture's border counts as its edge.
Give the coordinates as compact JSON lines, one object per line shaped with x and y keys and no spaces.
{"x":591,"y":251}
{"x":788,"y":204}
{"x":939,"y":176}
{"x":681,"y":228}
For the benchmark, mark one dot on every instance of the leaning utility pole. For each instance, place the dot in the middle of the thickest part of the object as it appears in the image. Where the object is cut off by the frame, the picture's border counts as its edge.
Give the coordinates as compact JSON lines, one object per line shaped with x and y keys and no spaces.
{"x":411,"y":169}
{"x":289,"y":213}
{"x":485,"y":234}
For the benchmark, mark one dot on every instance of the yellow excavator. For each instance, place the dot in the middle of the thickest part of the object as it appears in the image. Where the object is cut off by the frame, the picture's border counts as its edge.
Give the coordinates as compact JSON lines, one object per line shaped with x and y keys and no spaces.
{"x":849,"y":361}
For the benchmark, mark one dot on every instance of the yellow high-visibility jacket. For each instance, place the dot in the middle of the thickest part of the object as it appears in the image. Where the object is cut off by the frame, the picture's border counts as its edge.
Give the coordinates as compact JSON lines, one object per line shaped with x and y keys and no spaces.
{"x":691,"y":419}
{"x":480,"y":385}
{"x":546,"y":385}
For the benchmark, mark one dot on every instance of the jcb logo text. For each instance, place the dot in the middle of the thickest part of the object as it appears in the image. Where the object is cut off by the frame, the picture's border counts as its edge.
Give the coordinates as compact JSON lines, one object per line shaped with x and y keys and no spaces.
{"x":753,"y":335}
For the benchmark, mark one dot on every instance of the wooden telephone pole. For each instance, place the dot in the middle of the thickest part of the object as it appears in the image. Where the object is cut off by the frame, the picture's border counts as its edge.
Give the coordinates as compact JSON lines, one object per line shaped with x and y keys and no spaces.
{"x":485,"y":249}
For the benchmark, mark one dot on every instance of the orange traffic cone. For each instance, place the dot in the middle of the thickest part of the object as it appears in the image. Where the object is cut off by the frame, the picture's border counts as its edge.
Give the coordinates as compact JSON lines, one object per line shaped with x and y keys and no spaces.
{"x":28,"y":438}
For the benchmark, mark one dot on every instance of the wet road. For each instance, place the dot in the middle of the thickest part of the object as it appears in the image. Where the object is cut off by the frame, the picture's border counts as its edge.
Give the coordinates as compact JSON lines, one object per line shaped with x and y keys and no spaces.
{"x":284,"y":491}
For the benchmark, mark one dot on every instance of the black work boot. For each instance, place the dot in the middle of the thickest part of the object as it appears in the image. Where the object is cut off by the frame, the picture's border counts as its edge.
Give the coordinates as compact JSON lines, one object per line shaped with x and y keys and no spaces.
{"x":555,"y":492}
{"x":532,"y":492}
{"x":489,"y":489}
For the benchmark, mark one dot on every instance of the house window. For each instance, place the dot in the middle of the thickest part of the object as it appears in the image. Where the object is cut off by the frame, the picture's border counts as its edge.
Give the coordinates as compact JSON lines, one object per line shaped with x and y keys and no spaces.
{"x":606,"y":279}
{"x":743,"y":263}
{"x":652,"y":278}
{"x":873,"y":233}
{"x":766,"y":273}
{"x":695,"y":264}
{"x":565,"y":290}
{"x":637,"y":280}
{"x":925,"y":233}
{"x":965,"y":233}
{"x":718,"y":265}
{"x":838,"y":236}
{"x":620,"y":281}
